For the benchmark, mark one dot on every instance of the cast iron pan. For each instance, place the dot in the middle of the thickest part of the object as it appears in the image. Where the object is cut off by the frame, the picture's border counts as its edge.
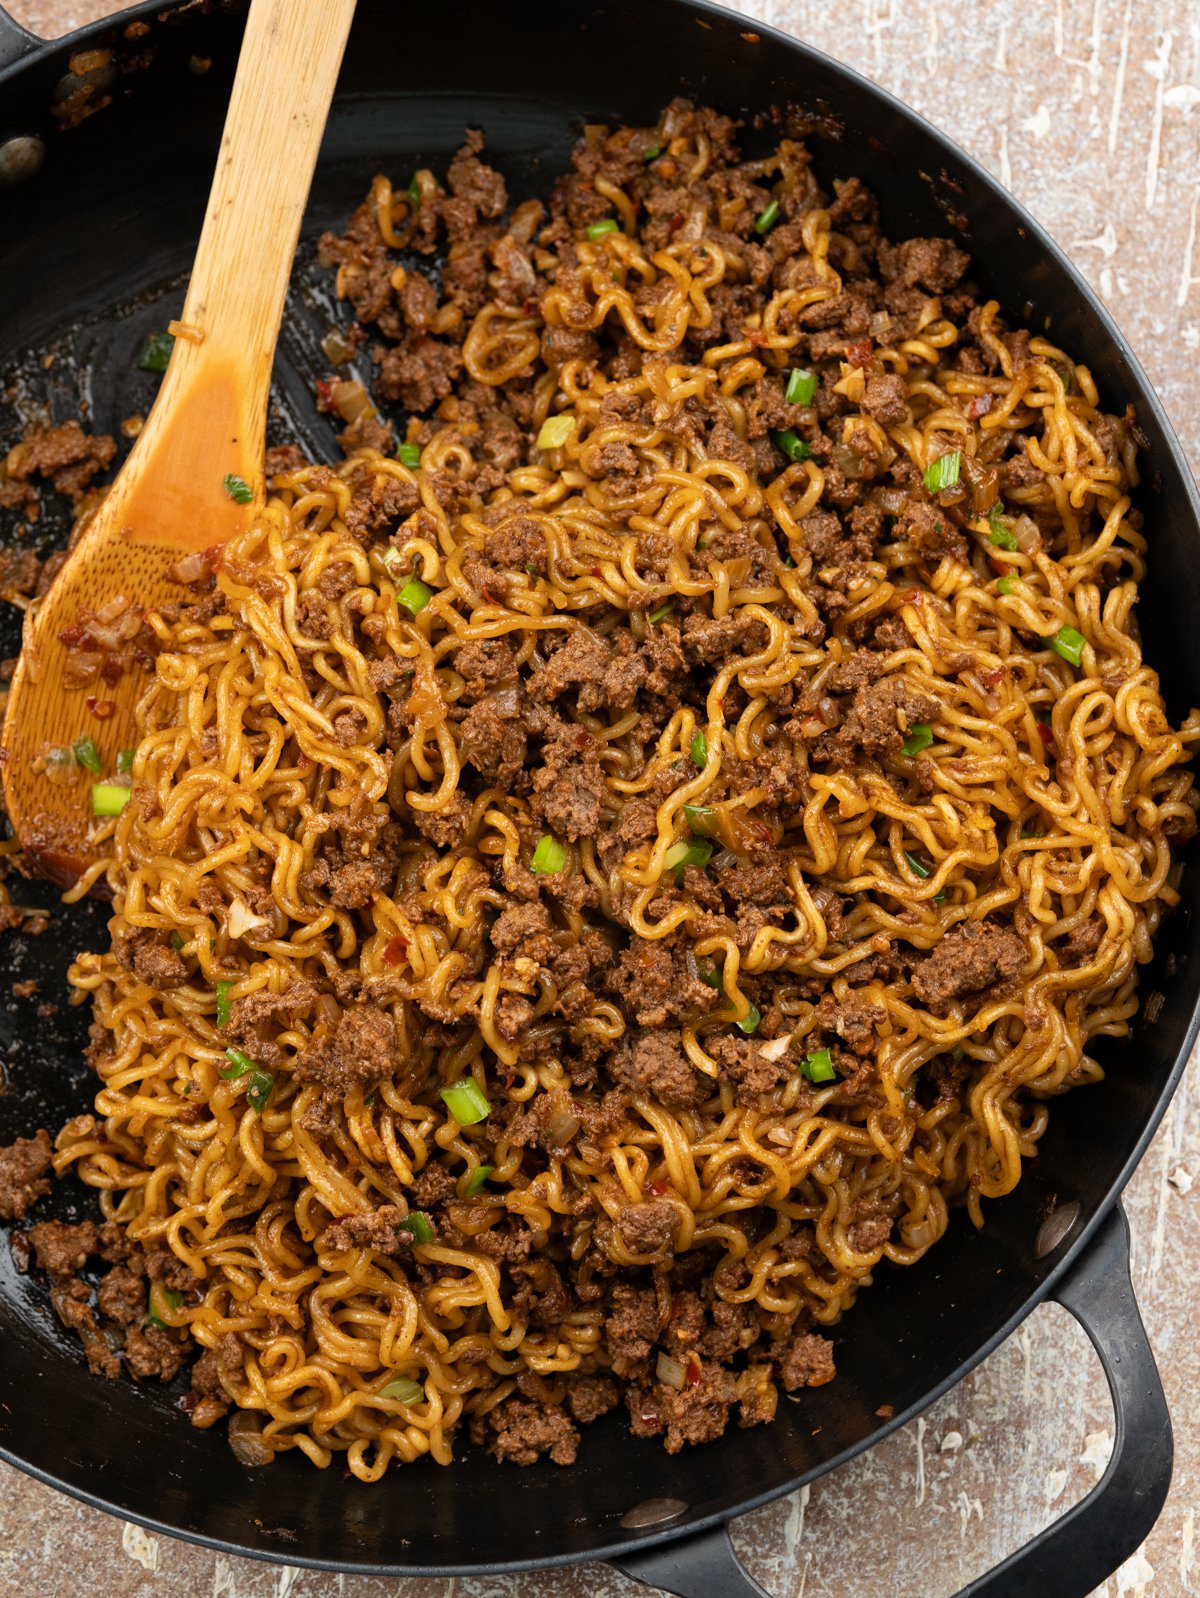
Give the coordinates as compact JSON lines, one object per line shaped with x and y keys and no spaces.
{"x":97,"y":225}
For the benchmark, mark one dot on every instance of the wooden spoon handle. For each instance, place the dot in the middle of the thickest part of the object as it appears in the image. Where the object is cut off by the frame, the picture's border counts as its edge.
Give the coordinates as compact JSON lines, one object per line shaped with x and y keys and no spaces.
{"x":209,"y":420}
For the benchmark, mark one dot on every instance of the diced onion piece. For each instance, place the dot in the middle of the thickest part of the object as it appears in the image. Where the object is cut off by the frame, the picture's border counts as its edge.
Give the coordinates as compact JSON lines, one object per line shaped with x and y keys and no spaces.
{"x":465,"y":1102}
{"x":351,"y":400}
{"x":336,"y":347}
{"x":246,"y":1440}
{"x":109,"y":798}
{"x":562,"y":1127}
{"x":555,"y":431}
{"x":242,"y":919}
{"x":776,"y":1048}
{"x":671,"y":1372}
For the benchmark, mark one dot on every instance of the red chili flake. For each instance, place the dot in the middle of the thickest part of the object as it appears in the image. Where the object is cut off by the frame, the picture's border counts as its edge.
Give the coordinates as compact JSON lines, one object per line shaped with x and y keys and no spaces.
{"x":324,"y":394}
{"x":675,"y":224}
{"x":72,"y":635}
{"x":102,"y":709}
{"x":113,"y":669}
{"x":647,"y":1418}
{"x":303,"y":763}
{"x":510,"y":1076}
{"x":1046,"y":733}
{"x":657,"y":1189}
{"x":188,"y":1402}
{"x":596,"y":572}
{"x":991,"y":675}
{"x":859,"y":353}
{"x":396,"y":949}
{"x":980,"y":405}
{"x":582,"y":738}
{"x":693,"y":1372}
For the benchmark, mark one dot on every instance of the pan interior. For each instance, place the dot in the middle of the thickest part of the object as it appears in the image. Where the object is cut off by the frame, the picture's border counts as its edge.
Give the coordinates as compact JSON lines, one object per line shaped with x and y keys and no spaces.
{"x":95,"y":254}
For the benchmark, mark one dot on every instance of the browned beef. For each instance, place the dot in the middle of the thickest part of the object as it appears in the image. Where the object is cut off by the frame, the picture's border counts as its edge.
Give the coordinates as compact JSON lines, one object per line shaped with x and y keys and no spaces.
{"x":655,"y":1066}
{"x":647,"y":1228}
{"x":381,"y":1230}
{"x":360,"y":1048}
{"x":654,"y":981}
{"x":522,"y":1430}
{"x":23,"y":1174}
{"x":632,"y":1326}
{"x":159,"y":965}
{"x":743,"y":1062}
{"x":968,"y":959}
{"x":696,"y":1414}
{"x":589,"y":1397}
{"x":807,"y":1363}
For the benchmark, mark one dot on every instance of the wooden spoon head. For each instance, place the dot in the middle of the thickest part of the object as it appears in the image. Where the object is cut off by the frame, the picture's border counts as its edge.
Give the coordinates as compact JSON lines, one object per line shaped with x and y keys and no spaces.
{"x":169,"y":500}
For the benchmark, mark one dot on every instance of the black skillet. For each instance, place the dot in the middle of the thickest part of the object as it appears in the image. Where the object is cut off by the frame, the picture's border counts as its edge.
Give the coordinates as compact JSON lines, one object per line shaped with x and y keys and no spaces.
{"x":98,"y":221}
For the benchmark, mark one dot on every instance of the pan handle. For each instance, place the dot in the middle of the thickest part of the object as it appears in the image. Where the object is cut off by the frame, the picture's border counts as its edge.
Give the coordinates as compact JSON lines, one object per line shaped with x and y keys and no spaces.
{"x":15,"y":41}
{"x":1076,"y":1554}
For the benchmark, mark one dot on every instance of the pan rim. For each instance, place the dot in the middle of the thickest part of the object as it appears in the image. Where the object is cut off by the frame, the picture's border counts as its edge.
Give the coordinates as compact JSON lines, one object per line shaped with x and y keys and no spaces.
{"x":1147,"y":395}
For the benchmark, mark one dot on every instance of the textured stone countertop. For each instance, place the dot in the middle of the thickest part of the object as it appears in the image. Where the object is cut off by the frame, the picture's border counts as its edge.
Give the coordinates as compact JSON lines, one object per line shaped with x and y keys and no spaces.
{"x":1087,"y":111}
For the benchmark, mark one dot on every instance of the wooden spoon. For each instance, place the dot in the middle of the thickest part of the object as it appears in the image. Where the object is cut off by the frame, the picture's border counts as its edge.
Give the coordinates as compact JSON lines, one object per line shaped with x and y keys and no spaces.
{"x":208,"y":424}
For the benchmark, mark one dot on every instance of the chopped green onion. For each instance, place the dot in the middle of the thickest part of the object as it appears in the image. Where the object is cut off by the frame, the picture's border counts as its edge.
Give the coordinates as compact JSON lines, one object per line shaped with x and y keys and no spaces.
{"x":653,"y":153}
{"x":125,"y":762}
{"x":943,"y":472}
{"x":478,"y":1177}
{"x":415,"y":595}
{"x":1030,"y":832}
{"x":957,"y":1052}
{"x":701,"y":820}
{"x":156,"y":352}
{"x":713,"y":975}
{"x":750,"y":1022}
{"x":696,"y":853}
{"x":1004,"y":585}
{"x":239,"y":1065}
{"x":176,"y":942}
{"x":801,"y":387}
{"x":555,"y":431}
{"x":86,"y":755}
{"x":598,"y":229}
{"x":405,"y":1389}
{"x":818,"y":1066}
{"x":767,"y":218}
{"x":258,"y":1090}
{"x":465,"y":1102}
{"x":1067,"y":643}
{"x":413,"y":191}
{"x":224,"y":1008}
{"x":409,"y":455}
{"x":548,"y":855}
{"x":699,"y":750}
{"x":162,"y":1297}
{"x":1067,"y":376}
{"x":920,"y":736}
{"x":915,"y":865}
{"x":417,"y":1225}
{"x":109,"y":798}
{"x":662,"y":610}
{"x":793,"y":447}
{"x":237,"y":488}
{"x":999,"y":535}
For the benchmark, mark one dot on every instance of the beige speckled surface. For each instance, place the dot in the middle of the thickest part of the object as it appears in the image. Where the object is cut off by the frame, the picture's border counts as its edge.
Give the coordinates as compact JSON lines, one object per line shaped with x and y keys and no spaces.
{"x":1088,"y":111}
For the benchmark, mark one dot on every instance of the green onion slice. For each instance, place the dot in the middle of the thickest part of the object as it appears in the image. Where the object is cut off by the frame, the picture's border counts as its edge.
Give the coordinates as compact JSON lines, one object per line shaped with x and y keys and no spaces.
{"x":1067,"y":643}
{"x":86,"y":755}
{"x":751,"y":1021}
{"x":801,"y":387}
{"x":555,"y":431}
{"x":696,"y":853}
{"x":239,"y":1065}
{"x":409,"y":455}
{"x":699,"y":750}
{"x":156,"y":352}
{"x":224,"y":1007}
{"x":237,"y":488}
{"x":405,"y":1389}
{"x":920,"y":736}
{"x":176,"y":942}
{"x":943,"y":473}
{"x":818,"y":1066}
{"x":1000,"y":535}
{"x":109,"y":798}
{"x":598,"y":229}
{"x":1004,"y":585}
{"x":548,"y":855}
{"x":915,"y":865}
{"x":793,"y":447}
{"x":653,"y":153}
{"x":417,"y":1225}
{"x":162,"y":1299}
{"x":701,"y":820}
{"x":258,"y":1090}
{"x":478,"y":1177}
{"x":465,"y":1102}
{"x":713,"y":975}
{"x":767,"y":218}
{"x":662,"y":610}
{"x":414,"y":596}
{"x":125,"y":762}
{"x":413,"y":191}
